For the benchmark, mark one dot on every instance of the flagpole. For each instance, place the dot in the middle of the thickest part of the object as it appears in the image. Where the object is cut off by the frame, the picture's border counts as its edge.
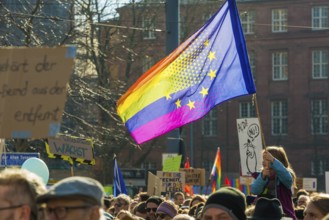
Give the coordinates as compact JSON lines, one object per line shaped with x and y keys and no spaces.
{"x":254,"y":98}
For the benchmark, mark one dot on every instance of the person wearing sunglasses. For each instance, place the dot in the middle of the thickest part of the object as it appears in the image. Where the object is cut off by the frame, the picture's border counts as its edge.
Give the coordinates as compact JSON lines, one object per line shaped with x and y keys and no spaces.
{"x":18,"y":190}
{"x":152,"y":204}
{"x":73,"y":198}
{"x":167,"y":210}
{"x":122,"y":202}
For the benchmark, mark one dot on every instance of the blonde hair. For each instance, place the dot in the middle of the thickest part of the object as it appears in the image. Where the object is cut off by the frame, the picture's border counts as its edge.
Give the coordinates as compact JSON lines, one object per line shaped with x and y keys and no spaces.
{"x":279,"y":153}
{"x":23,"y":186}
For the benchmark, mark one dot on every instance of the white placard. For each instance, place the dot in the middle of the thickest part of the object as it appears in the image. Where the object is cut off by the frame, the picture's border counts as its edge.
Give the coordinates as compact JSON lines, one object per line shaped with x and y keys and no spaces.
{"x":250,"y":145}
{"x":327,"y":181}
{"x":310,"y":184}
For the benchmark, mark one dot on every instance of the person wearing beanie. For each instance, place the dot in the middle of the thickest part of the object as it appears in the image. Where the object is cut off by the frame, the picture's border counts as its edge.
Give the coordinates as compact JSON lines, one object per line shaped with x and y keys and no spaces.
{"x":267,"y":209}
{"x":226,"y":203}
{"x":167,"y":210}
{"x":152,"y":204}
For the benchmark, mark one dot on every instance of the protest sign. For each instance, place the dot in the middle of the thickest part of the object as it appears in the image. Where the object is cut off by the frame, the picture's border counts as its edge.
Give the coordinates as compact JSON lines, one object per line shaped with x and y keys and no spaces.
{"x":154,"y":185}
{"x":194,"y":176}
{"x":71,"y":148}
{"x":250,"y":143}
{"x":172,"y":181}
{"x":172,"y":164}
{"x":310,"y":184}
{"x":166,"y":156}
{"x":33,"y":90}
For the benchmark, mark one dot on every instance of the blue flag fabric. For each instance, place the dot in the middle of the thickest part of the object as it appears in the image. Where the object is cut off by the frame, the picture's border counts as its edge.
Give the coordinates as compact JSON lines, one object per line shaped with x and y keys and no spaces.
{"x":209,"y":68}
{"x":119,"y":186}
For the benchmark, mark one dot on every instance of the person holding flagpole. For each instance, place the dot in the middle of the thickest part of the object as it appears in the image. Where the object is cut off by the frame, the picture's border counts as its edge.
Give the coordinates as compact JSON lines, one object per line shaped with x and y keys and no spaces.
{"x":276,"y":179}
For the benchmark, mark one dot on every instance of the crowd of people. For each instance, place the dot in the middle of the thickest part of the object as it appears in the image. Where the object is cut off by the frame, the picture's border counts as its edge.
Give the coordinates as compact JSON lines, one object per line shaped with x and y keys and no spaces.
{"x":23,"y":196}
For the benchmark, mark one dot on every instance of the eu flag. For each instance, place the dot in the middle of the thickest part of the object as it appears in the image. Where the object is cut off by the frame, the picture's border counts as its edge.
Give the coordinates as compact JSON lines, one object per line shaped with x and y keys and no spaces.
{"x":209,"y":68}
{"x":119,"y":186}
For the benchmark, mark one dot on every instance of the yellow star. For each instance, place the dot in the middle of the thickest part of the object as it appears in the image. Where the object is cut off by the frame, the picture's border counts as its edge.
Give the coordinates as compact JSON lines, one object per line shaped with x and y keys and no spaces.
{"x":178,"y":105}
{"x":168,"y":97}
{"x":206,"y":43}
{"x":212,"y":74}
{"x":204,"y":92}
{"x":191,"y":104}
{"x":212,"y":56}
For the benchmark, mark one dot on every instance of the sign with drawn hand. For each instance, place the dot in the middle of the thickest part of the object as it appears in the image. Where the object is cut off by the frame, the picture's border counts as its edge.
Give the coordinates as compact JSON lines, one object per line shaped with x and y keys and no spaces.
{"x":250,"y":145}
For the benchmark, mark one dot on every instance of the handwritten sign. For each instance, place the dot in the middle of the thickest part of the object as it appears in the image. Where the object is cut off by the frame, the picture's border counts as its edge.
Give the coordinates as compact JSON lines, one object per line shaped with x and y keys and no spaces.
{"x":250,"y":143}
{"x":166,"y":156}
{"x":77,"y":148}
{"x":172,"y":181}
{"x":194,"y":176}
{"x":33,"y":90}
{"x":172,"y":163}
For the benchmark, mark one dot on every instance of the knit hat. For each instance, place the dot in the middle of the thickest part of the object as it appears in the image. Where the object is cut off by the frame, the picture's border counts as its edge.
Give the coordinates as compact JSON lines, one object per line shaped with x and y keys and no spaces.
{"x":155,"y":199}
{"x":167,"y":208}
{"x":267,"y":209}
{"x":229,"y":199}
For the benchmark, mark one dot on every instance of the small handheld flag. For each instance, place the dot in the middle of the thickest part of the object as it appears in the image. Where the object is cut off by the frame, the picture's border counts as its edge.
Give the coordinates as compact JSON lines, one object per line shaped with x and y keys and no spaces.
{"x":216,"y":172}
{"x":119,"y":186}
{"x":188,"y":188}
{"x":209,"y":68}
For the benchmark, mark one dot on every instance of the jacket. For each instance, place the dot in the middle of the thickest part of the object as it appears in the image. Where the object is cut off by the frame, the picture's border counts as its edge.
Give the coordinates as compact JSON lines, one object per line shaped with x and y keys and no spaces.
{"x":283,"y":185}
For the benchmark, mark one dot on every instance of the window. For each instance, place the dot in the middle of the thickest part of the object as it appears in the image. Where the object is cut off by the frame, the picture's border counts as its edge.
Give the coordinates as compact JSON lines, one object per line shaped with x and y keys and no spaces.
{"x":320,"y":64}
{"x":279,"y":117}
{"x":319,"y":111}
{"x":280,"y":65}
{"x":252,"y":60}
{"x":248,"y":22}
{"x":319,"y":17}
{"x":209,"y":123}
{"x":319,"y":167}
{"x":148,"y":165}
{"x":148,"y":25}
{"x":56,"y":9}
{"x":148,"y":62}
{"x":279,"y":20}
{"x":247,"y":110}
{"x":207,"y":165}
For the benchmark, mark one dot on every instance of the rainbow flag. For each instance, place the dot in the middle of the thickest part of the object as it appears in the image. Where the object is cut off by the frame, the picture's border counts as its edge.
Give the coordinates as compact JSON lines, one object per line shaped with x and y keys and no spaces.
{"x":216,"y":173}
{"x":209,"y":68}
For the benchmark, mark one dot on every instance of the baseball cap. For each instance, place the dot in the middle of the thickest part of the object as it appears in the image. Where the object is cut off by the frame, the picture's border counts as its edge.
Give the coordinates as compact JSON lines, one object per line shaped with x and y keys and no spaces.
{"x":77,"y":186}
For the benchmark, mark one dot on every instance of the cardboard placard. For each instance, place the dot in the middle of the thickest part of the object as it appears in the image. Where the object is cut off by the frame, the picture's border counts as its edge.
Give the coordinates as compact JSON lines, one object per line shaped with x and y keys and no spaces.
{"x":194,"y":176}
{"x":33,"y":90}
{"x":72,"y":147}
{"x":172,"y":181}
{"x":172,"y":164}
{"x":154,"y":185}
{"x":250,"y":143}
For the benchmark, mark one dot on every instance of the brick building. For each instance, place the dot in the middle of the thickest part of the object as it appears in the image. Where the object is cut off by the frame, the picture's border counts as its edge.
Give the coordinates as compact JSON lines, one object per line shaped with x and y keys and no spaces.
{"x":288,"y":44}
